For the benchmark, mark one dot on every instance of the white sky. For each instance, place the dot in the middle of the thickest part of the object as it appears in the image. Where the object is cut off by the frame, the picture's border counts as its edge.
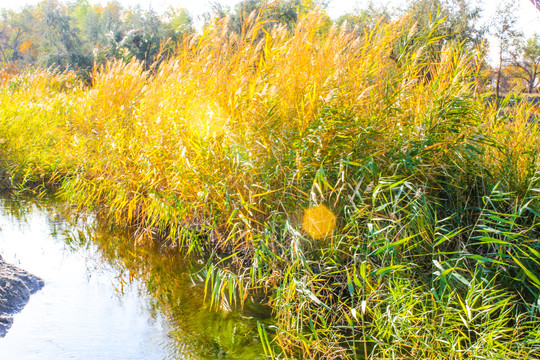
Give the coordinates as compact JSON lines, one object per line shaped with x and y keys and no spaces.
{"x":528,"y":15}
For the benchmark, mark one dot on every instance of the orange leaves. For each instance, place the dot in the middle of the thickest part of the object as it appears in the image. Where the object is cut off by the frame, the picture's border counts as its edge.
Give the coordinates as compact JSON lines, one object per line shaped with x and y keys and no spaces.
{"x":25,"y":46}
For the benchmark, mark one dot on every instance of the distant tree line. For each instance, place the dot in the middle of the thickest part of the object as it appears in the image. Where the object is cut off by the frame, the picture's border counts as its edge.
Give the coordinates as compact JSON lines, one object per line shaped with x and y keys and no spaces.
{"x":79,"y":35}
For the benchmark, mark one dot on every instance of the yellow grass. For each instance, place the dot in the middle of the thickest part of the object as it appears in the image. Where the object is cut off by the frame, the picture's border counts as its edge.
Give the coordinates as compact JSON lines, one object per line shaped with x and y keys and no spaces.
{"x":228,"y":143}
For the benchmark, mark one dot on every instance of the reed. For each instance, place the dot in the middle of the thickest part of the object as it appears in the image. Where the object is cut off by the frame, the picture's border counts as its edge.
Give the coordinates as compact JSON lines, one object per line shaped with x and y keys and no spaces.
{"x":429,"y":194}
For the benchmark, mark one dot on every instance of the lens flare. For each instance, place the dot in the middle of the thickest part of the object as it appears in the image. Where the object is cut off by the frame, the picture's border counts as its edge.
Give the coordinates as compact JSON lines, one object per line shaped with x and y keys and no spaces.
{"x":207,"y":119}
{"x":319,"y":221}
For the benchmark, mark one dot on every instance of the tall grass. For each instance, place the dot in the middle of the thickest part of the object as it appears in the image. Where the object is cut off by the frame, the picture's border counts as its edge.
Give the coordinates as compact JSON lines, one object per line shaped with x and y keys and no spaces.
{"x":222,"y":149}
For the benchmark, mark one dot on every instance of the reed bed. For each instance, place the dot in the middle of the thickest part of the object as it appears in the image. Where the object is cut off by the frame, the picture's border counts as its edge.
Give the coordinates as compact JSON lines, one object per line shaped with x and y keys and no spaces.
{"x":357,"y":179}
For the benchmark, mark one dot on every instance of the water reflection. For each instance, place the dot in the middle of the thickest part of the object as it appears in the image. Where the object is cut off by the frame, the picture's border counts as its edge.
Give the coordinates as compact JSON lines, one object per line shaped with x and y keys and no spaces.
{"x":109,"y":297}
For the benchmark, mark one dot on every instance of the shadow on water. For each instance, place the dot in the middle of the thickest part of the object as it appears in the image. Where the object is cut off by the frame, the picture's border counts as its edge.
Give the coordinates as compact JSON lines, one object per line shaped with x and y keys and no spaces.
{"x":210,"y":334}
{"x":162,"y":276}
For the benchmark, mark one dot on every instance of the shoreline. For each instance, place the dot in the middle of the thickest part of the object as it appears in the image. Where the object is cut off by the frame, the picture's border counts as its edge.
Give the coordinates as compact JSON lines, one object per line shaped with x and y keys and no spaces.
{"x":16,"y":286}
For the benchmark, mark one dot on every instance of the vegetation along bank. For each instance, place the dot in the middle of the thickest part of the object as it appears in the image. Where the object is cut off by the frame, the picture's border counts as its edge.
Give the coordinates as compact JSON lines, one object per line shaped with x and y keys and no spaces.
{"x":357,"y":178}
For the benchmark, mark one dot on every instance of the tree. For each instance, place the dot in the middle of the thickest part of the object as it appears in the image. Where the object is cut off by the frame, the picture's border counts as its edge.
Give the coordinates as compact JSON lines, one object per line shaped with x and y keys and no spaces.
{"x":17,"y":37}
{"x":76,"y":35}
{"x":433,"y":25}
{"x":177,"y":23}
{"x":503,"y":27}
{"x":460,"y":19}
{"x":284,"y":12}
{"x":365,"y":18}
{"x":526,"y":62}
{"x":144,"y":36}
{"x":61,"y":44}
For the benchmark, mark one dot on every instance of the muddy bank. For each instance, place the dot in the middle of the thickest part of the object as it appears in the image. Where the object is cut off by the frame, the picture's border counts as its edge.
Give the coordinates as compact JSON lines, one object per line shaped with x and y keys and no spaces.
{"x":16,"y":286}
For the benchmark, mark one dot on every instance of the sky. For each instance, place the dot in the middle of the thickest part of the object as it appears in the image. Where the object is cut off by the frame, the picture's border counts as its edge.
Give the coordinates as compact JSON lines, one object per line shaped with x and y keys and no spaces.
{"x":528,"y":15}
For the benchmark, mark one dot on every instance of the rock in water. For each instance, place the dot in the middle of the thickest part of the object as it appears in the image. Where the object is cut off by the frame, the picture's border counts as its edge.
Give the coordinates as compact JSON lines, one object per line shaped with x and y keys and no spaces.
{"x":16,"y":286}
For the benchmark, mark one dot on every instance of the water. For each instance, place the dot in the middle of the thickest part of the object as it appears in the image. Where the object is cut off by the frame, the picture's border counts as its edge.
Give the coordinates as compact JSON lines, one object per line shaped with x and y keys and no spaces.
{"x":105,"y":298}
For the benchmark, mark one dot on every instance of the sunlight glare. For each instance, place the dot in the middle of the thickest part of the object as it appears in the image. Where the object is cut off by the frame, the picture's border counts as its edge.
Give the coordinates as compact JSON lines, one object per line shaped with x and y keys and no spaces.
{"x":319,"y":221}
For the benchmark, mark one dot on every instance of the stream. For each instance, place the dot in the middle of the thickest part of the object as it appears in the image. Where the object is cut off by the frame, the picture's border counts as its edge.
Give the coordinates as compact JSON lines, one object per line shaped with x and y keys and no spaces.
{"x":107,"y":298}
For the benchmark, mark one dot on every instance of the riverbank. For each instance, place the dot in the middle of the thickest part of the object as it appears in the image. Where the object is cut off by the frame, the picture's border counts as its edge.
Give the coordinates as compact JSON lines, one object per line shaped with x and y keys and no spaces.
{"x":16,"y":286}
{"x":361,"y":184}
